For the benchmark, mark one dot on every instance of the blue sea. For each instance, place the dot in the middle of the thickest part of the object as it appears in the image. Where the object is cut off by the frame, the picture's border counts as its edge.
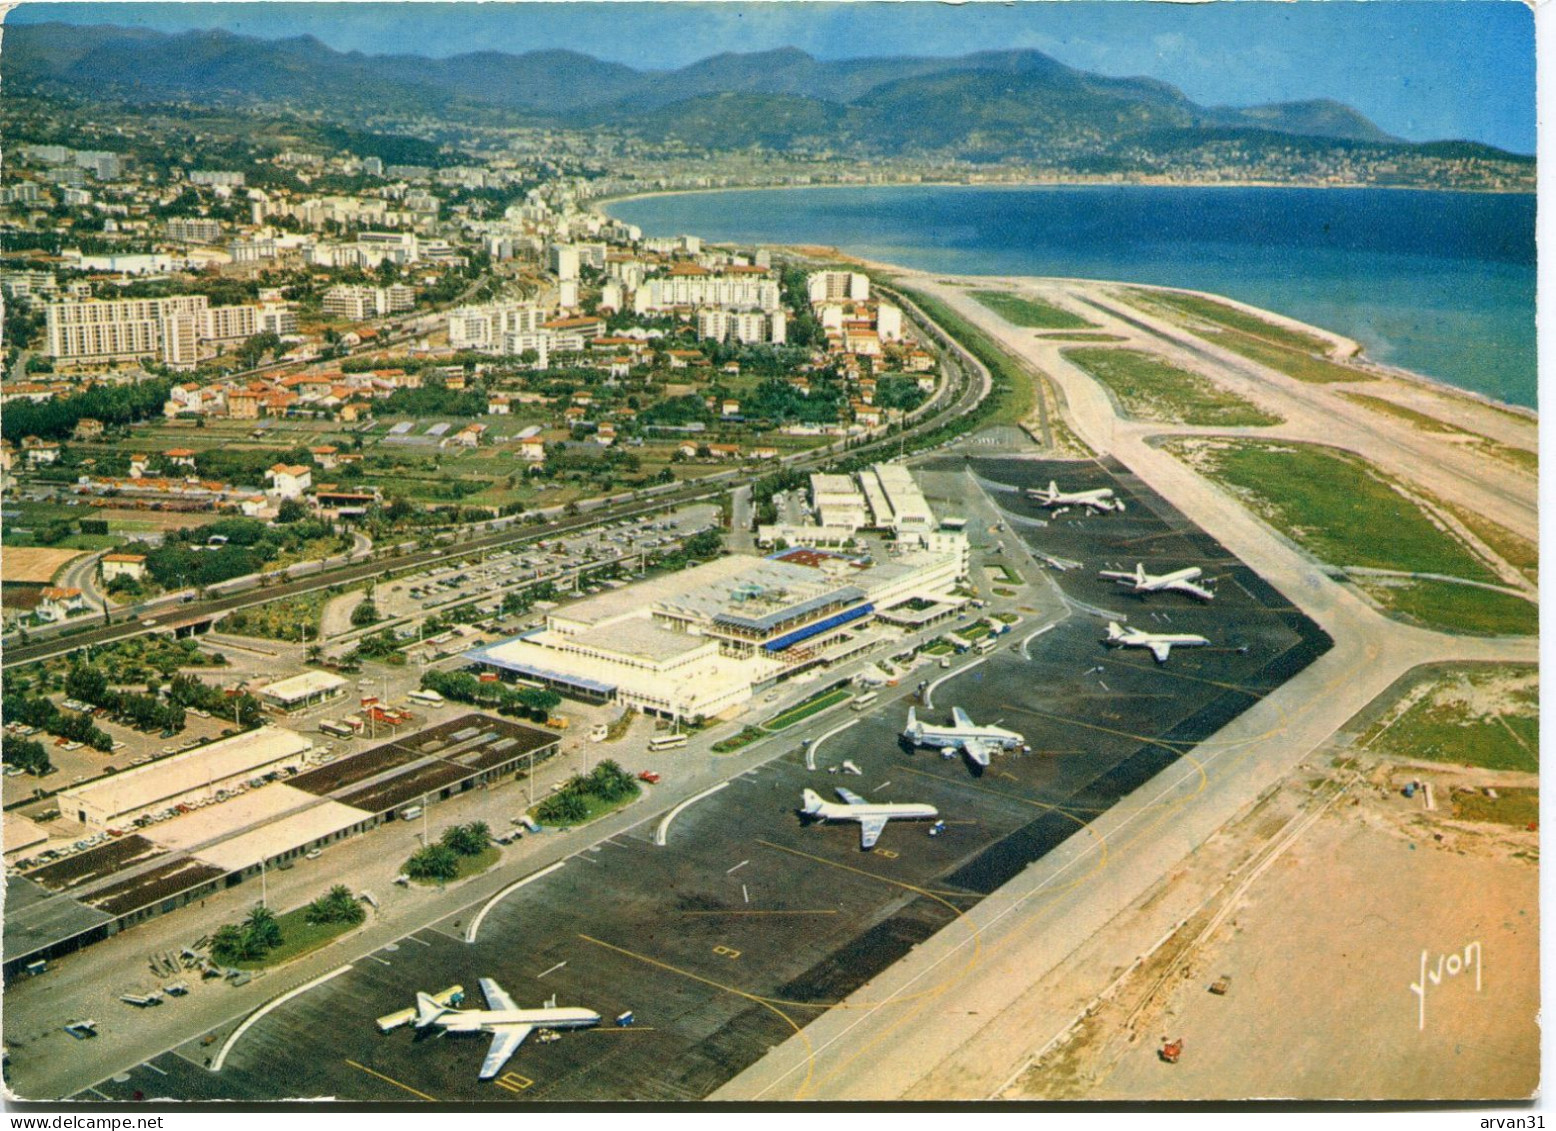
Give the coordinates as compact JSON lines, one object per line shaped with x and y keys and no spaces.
{"x":1439,"y":283}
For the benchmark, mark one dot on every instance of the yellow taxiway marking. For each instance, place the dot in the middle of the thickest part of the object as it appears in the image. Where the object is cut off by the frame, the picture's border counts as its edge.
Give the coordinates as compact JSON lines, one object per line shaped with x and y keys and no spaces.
{"x":513,"y":1082}
{"x":810,"y":1059}
{"x":743,"y":911}
{"x":392,"y":1080}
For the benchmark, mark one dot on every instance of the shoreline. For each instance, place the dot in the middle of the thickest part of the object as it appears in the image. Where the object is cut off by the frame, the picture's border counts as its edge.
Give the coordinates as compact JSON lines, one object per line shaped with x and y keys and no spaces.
{"x":1358,"y":355}
{"x":650,"y":194}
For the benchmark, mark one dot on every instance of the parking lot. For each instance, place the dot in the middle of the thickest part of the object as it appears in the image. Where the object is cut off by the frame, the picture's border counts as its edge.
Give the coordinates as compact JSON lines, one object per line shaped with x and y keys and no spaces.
{"x":748,"y":922}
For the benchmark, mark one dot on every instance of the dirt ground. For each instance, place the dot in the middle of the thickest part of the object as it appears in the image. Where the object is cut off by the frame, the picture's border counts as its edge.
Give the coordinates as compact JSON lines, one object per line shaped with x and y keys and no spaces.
{"x":1322,"y":950}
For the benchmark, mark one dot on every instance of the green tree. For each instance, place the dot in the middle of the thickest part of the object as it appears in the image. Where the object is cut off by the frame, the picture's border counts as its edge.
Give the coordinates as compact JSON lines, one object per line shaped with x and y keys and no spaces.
{"x":227,"y":944}
{"x":434,"y":862}
{"x":261,"y":932}
{"x":337,"y":906}
{"x":364,"y":614}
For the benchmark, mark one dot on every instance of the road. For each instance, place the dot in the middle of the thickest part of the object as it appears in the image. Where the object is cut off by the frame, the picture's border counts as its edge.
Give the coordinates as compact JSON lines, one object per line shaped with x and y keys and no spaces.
{"x":990,"y":1007}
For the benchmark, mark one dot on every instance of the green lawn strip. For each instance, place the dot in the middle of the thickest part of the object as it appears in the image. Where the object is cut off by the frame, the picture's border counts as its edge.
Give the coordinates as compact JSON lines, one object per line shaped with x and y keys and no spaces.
{"x":1013,"y":395}
{"x":1152,"y":388}
{"x":298,"y":937}
{"x":1455,"y":608}
{"x":468,"y":866}
{"x":1521,"y":458}
{"x":1516,"y":550}
{"x":1080,"y":336}
{"x":804,"y":710}
{"x":1293,"y":363}
{"x":1442,"y":727}
{"x":734,"y":742}
{"x":1409,"y":415}
{"x":1229,"y":317}
{"x":1337,"y":506}
{"x":975,"y":632}
{"x":1007,"y":574}
{"x":1519,"y":806}
{"x":1031,"y":312}
{"x":939,"y":648}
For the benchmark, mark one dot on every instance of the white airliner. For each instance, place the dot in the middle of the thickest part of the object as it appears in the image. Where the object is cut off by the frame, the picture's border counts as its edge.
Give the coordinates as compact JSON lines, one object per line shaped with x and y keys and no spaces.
{"x":1100,"y":499}
{"x":1179,"y":580}
{"x":1160,"y":643}
{"x":872,"y":816}
{"x":977,"y":742}
{"x":507,"y":1023}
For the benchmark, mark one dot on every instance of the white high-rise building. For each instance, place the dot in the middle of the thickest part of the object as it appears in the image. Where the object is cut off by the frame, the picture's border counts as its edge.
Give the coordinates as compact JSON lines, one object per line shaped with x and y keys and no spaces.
{"x":836,"y":286}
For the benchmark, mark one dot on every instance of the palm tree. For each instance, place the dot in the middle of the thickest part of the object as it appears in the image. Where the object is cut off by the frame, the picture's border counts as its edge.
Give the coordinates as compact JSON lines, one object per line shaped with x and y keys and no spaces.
{"x":260,"y":929}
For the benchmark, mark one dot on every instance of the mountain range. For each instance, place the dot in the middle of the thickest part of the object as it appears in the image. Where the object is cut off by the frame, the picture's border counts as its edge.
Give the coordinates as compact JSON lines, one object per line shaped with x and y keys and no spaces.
{"x":987,"y":105}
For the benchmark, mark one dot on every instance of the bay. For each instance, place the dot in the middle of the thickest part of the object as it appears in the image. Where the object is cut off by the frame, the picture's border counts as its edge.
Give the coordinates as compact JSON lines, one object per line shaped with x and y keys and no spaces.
{"x":1442,"y":284}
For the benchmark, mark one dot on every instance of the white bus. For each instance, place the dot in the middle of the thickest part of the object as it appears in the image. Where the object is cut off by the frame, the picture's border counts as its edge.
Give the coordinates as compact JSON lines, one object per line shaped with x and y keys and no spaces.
{"x":986,"y":645}
{"x":430,"y":698}
{"x":340,"y":730}
{"x":863,"y":701}
{"x":666,"y":741}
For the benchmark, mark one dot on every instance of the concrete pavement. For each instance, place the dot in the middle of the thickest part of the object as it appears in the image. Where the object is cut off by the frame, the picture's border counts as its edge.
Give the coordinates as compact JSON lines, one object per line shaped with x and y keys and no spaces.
{"x":957,"y":1017}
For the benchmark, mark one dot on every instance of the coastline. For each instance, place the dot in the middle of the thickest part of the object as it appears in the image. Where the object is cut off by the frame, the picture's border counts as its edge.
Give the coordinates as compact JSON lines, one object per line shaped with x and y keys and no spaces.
{"x":1357,"y":354}
{"x":600,"y":202}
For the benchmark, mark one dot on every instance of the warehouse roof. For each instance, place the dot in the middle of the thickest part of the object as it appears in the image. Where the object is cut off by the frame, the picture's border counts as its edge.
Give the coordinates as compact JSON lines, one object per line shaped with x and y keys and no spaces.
{"x":301,"y":687}
{"x":322,"y":818}
{"x":171,"y":777}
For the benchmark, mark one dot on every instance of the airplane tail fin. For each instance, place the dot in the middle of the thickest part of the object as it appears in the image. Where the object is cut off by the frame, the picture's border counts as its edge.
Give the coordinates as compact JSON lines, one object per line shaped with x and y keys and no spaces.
{"x":1114,"y":631}
{"x":912,"y":719}
{"x":811,"y":802}
{"x":427,"y":1010}
{"x":1139,"y":573}
{"x":1053,"y":488}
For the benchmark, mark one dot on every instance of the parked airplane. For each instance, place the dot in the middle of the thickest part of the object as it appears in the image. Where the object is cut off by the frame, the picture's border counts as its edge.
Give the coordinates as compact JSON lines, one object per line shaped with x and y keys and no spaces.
{"x":872,"y":816}
{"x":977,"y":742}
{"x":1160,"y":643}
{"x":1100,"y":499}
{"x":507,"y":1023}
{"x":1181,"y":580}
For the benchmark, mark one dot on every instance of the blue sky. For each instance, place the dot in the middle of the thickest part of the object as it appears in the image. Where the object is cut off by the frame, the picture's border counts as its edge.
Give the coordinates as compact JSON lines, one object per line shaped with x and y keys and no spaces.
{"x":1421,"y":69}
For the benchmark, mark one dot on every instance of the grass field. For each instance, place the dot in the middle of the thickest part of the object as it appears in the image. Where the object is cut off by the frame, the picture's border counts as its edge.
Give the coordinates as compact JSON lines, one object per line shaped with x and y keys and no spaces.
{"x":1292,"y":352}
{"x":298,"y":937}
{"x":1231,"y":318}
{"x":1335,"y":505}
{"x":805,"y":709}
{"x":291,"y":618}
{"x":1516,"y":550}
{"x":1480,"y":716}
{"x":1152,"y":388}
{"x":1521,"y":458}
{"x":1455,"y":608}
{"x":1081,"y":336}
{"x":1518,"y":807}
{"x":1031,"y":312}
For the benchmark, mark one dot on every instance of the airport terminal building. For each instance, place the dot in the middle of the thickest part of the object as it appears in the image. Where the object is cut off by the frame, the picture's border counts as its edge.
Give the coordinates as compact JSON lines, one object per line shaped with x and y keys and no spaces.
{"x":703,"y":641}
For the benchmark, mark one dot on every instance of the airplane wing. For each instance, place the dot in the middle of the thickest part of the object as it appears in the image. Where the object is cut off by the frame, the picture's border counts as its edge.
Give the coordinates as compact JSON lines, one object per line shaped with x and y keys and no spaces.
{"x":1197,"y":590}
{"x":961,"y":719}
{"x":1160,"y":649}
{"x":978,"y":750}
{"x":505,"y":1042}
{"x":849,"y":796}
{"x":870,"y":830}
{"x":496,"y":996}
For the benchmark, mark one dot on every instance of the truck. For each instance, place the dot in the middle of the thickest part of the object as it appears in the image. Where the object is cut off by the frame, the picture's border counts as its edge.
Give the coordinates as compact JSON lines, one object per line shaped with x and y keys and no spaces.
{"x":410,"y":812}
